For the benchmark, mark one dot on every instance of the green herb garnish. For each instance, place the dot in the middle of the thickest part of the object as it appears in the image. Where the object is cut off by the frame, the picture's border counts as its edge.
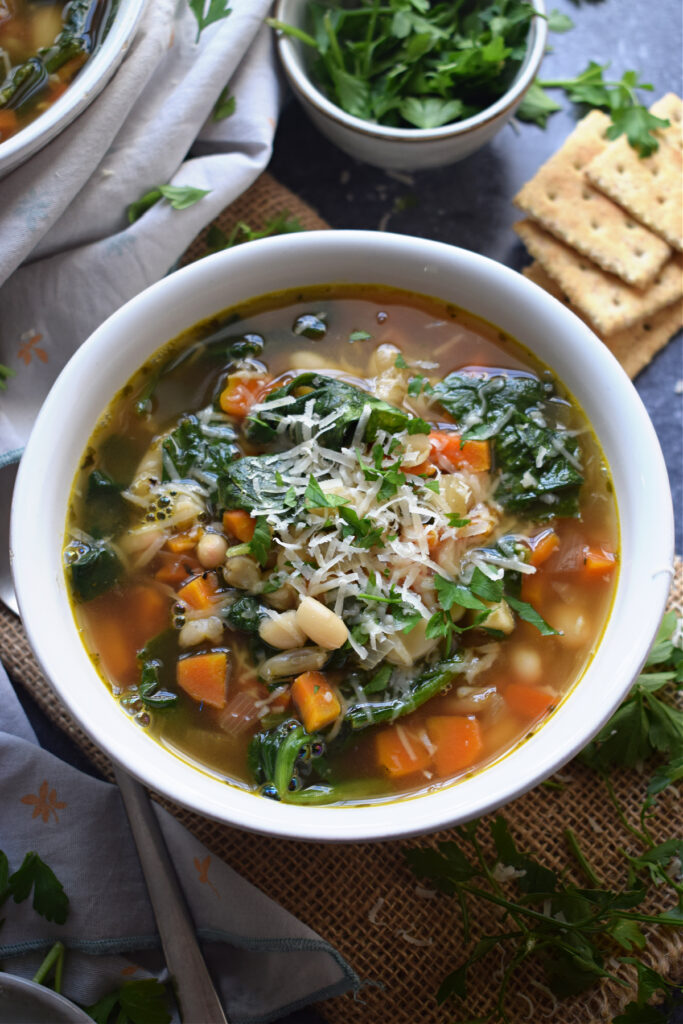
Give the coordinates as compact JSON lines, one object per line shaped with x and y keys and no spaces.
{"x":417,"y":64}
{"x":208,"y":13}
{"x":179,"y":196}
{"x":618,"y":97}
{"x":225,"y":106}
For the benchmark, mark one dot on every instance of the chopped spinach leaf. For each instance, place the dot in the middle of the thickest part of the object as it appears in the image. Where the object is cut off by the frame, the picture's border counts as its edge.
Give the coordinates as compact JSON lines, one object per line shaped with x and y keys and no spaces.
{"x":191,"y":447}
{"x":245,"y":614}
{"x":310,"y":326}
{"x":104,"y":510}
{"x":93,"y":568}
{"x":327,"y":396}
{"x":516,"y":413}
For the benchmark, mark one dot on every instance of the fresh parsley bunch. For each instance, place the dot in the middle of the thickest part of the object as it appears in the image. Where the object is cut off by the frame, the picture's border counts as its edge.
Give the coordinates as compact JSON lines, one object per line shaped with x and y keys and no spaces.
{"x":415,"y":63}
{"x":575,"y":931}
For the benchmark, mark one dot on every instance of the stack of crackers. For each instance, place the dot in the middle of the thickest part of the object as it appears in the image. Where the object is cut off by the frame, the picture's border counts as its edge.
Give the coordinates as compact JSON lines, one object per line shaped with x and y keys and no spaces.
{"x":605,"y":228}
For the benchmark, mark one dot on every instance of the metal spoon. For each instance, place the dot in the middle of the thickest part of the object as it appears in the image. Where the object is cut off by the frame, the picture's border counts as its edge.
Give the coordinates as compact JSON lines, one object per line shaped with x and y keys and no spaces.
{"x":194,"y":989}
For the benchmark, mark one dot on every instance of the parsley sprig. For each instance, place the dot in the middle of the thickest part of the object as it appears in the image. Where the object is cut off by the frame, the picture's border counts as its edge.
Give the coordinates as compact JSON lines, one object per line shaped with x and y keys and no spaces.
{"x":618,"y":97}
{"x":180,"y":197}
{"x":574,"y":930}
{"x":207,"y":14}
{"x":5,"y":373}
{"x":282,"y":224}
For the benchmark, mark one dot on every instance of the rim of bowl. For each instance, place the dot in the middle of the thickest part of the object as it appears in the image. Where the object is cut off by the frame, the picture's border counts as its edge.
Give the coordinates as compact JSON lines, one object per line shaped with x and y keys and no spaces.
{"x":36,"y":998}
{"x":184,"y":298}
{"x":86,"y":86}
{"x":302,"y":84}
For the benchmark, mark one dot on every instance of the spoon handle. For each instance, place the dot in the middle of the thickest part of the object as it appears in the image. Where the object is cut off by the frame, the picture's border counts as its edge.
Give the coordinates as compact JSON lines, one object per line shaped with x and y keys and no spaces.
{"x":195,"y":992}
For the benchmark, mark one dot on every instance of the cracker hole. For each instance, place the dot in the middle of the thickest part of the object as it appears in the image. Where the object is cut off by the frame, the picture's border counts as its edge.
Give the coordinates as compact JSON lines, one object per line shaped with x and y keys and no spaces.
{"x":629,"y":224}
{"x":616,"y":301}
{"x":639,"y":253}
{"x":595,"y":225}
{"x":647,"y":327}
{"x":620,"y":168}
{"x":655,"y":172}
{"x":577,"y":165}
{"x":657,"y":280}
{"x":585,"y":194}
{"x":552,"y":196}
{"x":661,"y":200}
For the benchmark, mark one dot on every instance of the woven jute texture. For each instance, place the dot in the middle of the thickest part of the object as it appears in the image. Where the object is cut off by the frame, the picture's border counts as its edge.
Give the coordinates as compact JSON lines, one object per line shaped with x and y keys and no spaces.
{"x":363,"y":899}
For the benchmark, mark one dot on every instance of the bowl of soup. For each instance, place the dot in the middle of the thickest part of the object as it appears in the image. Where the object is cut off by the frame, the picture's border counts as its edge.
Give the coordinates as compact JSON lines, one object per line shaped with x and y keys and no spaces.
{"x":55,"y":57}
{"x":342,"y":535}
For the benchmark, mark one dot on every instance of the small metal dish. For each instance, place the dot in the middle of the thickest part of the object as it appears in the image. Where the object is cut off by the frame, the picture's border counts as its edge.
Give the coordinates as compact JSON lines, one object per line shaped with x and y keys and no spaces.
{"x":124,"y":19}
{"x":27,"y":1002}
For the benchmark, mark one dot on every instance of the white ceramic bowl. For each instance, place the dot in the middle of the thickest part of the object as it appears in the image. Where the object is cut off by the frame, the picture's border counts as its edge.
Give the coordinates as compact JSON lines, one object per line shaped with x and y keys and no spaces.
{"x":118,"y":348}
{"x":86,"y":86}
{"x":403,"y":148}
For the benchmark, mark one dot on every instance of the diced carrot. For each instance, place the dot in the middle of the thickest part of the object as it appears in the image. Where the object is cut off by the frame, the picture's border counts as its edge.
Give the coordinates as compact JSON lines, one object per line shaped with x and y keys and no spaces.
{"x":597,"y":563}
{"x":528,"y":701}
{"x":203,"y":677}
{"x":458,"y":742}
{"x":175,"y":568}
{"x":240,"y":393}
{"x":199,"y":591}
{"x":183,"y":541}
{"x":315,"y":700}
{"x":534,"y":589}
{"x":401,"y":752}
{"x":240,"y":524}
{"x":542,"y":546}
{"x":472,"y":455}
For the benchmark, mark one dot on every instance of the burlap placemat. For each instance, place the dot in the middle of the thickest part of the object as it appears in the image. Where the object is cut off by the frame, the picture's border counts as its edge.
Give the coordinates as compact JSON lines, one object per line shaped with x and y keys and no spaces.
{"x":362,"y":898}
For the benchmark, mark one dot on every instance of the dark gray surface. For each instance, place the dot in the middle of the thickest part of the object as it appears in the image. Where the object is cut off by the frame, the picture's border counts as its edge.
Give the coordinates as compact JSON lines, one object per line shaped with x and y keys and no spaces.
{"x":470,"y":203}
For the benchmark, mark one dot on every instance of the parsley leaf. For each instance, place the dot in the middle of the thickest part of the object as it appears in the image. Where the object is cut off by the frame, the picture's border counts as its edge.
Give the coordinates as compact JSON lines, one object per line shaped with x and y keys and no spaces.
{"x":216,"y":11}
{"x":618,"y":97}
{"x":141,"y":1001}
{"x":365,"y":534}
{"x":359,"y":336}
{"x":282,"y":224}
{"x":225,"y":106}
{"x":49,"y":898}
{"x":179,"y":196}
{"x":400,"y":362}
{"x":5,"y":373}
{"x":316,"y":498}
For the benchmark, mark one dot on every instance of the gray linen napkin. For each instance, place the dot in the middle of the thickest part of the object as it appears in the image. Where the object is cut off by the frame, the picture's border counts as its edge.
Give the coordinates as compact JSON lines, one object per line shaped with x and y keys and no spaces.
{"x":265,"y":962}
{"x":68,"y":256}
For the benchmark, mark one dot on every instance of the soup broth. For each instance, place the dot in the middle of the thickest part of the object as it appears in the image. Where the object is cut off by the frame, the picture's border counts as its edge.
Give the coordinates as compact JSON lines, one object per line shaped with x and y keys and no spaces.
{"x":342,"y":544}
{"x":43,"y":46}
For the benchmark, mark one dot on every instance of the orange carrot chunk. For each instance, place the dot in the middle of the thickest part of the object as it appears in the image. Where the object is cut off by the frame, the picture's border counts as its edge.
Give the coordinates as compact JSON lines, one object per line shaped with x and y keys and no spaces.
{"x":542,"y":547}
{"x":315,"y":700}
{"x":472,"y":455}
{"x":597,"y":562}
{"x":199,"y":591}
{"x":183,"y":541}
{"x":528,"y":701}
{"x":240,"y":393}
{"x":203,"y":677}
{"x":239,"y":524}
{"x":401,"y":752}
{"x":458,"y":742}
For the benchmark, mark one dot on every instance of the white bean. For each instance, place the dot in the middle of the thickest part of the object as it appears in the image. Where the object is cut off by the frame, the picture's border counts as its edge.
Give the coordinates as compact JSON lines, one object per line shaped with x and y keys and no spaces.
{"x":292,"y":663}
{"x":242,"y":572}
{"x":526,"y":664}
{"x":211,"y":550}
{"x":321,"y":624}
{"x":282,"y":631}
{"x":196,"y":631}
{"x":283,"y":598}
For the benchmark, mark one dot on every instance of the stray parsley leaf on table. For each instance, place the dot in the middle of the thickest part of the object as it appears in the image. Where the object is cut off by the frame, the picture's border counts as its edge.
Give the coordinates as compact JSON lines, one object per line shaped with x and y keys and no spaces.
{"x":618,"y":97}
{"x":216,"y":11}
{"x":49,"y":898}
{"x":179,"y":196}
{"x":141,"y":1001}
{"x":225,"y":106}
{"x":282,"y":224}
